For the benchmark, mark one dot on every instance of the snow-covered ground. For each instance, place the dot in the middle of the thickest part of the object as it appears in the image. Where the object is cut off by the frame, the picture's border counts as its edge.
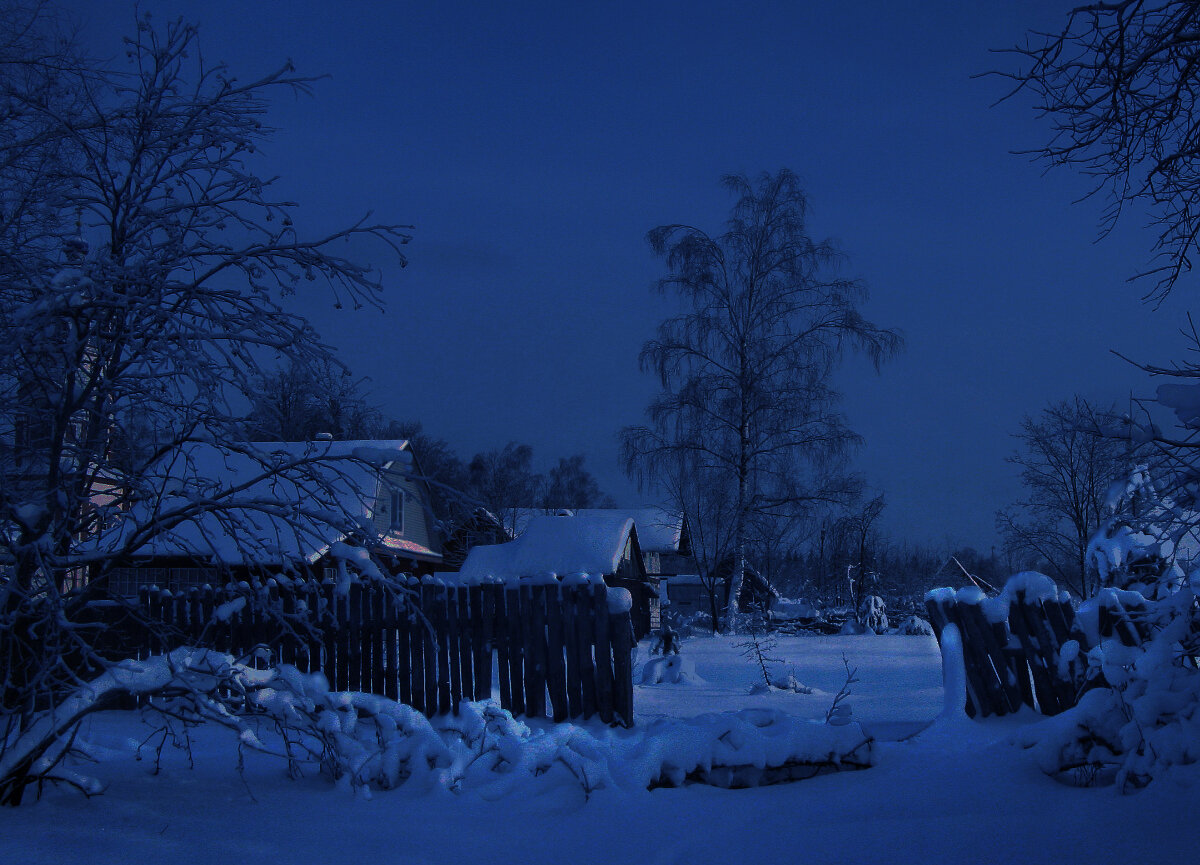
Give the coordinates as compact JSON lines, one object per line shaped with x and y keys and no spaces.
{"x":956,"y":792}
{"x":899,"y":689}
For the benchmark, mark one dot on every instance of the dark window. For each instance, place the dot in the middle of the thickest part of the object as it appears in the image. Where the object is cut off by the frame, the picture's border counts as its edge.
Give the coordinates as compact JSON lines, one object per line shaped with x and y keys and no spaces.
{"x":397,"y":511}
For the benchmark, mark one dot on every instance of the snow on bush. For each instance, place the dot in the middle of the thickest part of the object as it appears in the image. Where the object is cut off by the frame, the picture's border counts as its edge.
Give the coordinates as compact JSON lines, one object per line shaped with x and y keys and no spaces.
{"x":671,"y":670}
{"x":1140,"y":719}
{"x":872,"y":613}
{"x":781,"y":681}
{"x":914,"y":626}
{"x":793,"y":610}
{"x":366,"y":742}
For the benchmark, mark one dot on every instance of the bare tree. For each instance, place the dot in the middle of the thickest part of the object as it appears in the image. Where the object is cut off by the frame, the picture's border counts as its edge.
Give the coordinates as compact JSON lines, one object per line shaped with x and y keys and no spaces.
{"x":141,"y":264}
{"x":570,"y":485}
{"x":505,"y":482}
{"x":747,"y":370}
{"x":1119,"y":86}
{"x":859,"y":527}
{"x":301,"y":400}
{"x":1069,"y":457}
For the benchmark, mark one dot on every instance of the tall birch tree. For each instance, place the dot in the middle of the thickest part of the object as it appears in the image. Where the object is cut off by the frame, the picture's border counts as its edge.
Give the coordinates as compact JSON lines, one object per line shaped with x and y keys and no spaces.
{"x":748,"y":404}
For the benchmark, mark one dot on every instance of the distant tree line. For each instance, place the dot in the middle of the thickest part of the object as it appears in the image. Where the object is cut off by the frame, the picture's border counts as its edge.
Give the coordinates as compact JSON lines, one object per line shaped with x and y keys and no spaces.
{"x":298,"y":402}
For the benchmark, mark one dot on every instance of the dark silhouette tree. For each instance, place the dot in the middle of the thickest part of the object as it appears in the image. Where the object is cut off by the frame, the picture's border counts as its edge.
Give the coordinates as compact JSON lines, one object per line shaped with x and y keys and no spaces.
{"x":143,"y":266}
{"x":571,"y":485}
{"x":505,"y":483}
{"x":747,"y":369}
{"x":1119,"y":86}
{"x":1069,"y":456}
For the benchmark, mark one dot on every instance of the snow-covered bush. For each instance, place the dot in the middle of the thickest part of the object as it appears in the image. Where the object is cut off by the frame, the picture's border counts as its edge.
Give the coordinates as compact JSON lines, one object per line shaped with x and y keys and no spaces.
{"x":781,"y":680}
{"x":872,"y":614}
{"x":793,"y":610}
{"x":670,"y":670}
{"x":366,"y":742}
{"x":1141,"y":717}
{"x":914,"y":626}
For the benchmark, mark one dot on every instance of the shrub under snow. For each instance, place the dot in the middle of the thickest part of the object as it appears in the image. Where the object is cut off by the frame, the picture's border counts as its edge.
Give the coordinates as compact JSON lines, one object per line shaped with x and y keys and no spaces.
{"x":1140,"y":718}
{"x":369,"y":742}
{"x":671,"y":670}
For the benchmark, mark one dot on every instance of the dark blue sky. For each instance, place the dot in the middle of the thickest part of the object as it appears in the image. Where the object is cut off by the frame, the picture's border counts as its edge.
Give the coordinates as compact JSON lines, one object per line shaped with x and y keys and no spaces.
{"x":534,"y":144}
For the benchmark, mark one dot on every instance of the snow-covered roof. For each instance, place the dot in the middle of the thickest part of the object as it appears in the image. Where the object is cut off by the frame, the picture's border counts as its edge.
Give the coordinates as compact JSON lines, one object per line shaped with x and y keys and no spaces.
{"x":588,"y":542}
{"x":276,"y":502}
{"x":659,"y":530}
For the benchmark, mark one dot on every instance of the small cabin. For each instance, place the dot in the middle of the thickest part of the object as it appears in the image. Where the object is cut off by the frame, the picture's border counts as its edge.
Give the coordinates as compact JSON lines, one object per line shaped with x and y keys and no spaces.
{"x":599,"y":543}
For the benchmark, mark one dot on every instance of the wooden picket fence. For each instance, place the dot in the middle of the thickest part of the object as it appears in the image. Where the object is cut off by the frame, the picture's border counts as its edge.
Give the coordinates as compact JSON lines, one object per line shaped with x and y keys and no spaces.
{"x":550,"y":649}
{"x":1020,"y":661}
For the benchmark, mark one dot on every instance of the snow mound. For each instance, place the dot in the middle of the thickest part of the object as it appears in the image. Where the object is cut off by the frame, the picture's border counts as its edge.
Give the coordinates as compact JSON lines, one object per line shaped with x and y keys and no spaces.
{"x":671,"y":670}
{"x":914,"y":626}
{"x":854,"y":628}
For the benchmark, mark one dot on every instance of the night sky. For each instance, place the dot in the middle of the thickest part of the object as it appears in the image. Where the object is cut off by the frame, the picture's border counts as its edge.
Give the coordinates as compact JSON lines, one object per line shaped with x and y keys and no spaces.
{"x":534,"y":144}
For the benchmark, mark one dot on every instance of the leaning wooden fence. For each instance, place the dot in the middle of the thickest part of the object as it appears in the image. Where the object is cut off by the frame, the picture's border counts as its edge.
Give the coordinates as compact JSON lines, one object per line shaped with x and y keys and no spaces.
{"x":1025,"y":648}
{"x":550,"y":648}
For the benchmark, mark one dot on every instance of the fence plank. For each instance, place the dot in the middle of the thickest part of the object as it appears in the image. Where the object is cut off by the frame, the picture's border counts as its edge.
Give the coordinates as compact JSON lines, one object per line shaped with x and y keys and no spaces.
{"x":453,"y":657}
{"x":481,"y":638}
{"x":416,"y":647}
{"x":585,"y":627}
{"x":442,"y":635}
{"x":571,"y":639}
{"x":621,"y":634}
{"x":556,"y":670}
{"x":466,"y":649}
{"x":389,"y":632}
{"x":535,"y":664}
{"x":604,"y":668}
{"x":516,"y":648}
{"x":503,"y":662}
{"x":429,"y":646}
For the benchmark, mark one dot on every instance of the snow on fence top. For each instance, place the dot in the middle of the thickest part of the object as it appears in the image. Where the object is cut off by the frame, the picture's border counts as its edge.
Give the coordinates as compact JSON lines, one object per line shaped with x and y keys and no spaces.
{"x":1033,"y":586}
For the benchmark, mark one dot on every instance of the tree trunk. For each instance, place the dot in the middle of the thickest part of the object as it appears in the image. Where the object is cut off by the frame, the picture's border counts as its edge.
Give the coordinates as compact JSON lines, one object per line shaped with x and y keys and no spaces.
{"x":739,"y":543}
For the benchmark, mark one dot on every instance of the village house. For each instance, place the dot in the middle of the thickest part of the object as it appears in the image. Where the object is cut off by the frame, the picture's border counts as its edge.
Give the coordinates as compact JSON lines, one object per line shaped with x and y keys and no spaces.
{"x":365,"y":494}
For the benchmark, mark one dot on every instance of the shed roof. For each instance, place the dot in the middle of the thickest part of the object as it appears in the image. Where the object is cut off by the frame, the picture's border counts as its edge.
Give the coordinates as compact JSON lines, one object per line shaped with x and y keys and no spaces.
{"x":588,"y":543}
{"x":659,"y":530}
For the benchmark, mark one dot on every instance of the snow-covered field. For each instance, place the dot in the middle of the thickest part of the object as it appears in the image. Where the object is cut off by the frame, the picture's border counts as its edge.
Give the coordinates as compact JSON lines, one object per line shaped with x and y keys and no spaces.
{"x":955,"y":792}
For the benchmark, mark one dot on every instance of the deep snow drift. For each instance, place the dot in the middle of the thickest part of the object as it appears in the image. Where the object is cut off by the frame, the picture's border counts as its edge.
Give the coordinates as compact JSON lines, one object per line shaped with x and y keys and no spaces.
{"x":955,"y":792}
